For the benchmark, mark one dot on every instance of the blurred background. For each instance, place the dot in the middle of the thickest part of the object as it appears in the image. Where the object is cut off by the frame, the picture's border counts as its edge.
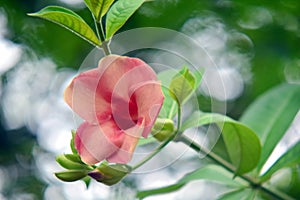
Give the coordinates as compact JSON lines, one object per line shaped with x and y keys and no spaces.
{"x":255,"y":44}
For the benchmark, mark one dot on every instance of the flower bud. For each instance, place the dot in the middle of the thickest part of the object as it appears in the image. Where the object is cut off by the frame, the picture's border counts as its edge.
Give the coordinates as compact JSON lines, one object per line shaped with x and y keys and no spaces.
{"x":163,"y":129}
{"x":71,"y":175}
{"x":110,"y":174}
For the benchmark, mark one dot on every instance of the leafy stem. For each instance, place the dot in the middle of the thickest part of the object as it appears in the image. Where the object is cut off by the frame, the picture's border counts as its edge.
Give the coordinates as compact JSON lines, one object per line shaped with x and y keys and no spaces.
{"x":101,"y":36}
{"x":220,"y":161}
{"x":161,"y":146}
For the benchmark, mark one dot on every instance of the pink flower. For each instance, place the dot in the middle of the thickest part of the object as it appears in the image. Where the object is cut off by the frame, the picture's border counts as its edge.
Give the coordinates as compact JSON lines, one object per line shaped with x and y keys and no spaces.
{"x":119,"y":102}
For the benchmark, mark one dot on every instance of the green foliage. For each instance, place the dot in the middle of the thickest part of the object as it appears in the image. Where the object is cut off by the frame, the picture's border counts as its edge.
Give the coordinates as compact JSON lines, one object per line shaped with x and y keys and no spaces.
{"x":271,"y":115}
{"x":182,"y":85}
{"x":242,"y":144}
{"x":173,"y":79}
{"x":290,"y":158}
{"x":69,"y":20}
{"x":169,"y":107}
{"x":98,"y":7}
{"x":119,"y":13}
{"x":210,"y":172}
{"x":244,"y":193}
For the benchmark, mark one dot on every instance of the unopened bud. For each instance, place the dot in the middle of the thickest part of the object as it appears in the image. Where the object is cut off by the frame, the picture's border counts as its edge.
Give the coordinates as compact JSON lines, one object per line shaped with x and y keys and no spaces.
{"x":71,"y":175}
{"x":163,"y":129}
{"x":110,"y":174}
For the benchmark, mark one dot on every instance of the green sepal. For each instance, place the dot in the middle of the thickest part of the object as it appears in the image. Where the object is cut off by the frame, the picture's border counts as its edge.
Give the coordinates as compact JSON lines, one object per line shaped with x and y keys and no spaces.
{"x":110,"y":174}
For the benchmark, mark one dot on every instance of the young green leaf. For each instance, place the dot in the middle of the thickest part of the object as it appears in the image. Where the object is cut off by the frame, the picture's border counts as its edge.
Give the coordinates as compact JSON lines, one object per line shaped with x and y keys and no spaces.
{"x":242,"y":144}
{"x":182,"y":85}
{"x":69,"y":20}
{"x":119,"y":13}
{"x":289,"y":159}
{"x":98,"y":7}
{"x":169,"y":108}
{"x":271,"y":115}
{"x":71,"y":175}
{"x":210,"y":172}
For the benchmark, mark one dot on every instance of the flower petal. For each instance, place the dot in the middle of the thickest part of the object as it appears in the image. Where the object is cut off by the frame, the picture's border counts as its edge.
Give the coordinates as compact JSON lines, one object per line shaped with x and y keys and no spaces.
{"x":113,"y":68}
{"x":149,"y":99}
{"x":82,"y":97}
{"x":95,"y":143}
{"x":124,"y":107}
{"x":131,"y":138}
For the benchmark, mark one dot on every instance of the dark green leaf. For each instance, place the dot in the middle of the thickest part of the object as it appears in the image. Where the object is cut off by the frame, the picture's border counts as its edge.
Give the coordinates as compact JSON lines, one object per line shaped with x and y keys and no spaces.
{"x":98,"y":7}
{"x":71,"y":175}
{"x":271,"y":115}
{"x":210,"y":172}
{"x":119,"y":13}
{"x":289,"y":159}
{"x":69,"y":20}
{"x":87,"y":181}
{"x":241,"y":143}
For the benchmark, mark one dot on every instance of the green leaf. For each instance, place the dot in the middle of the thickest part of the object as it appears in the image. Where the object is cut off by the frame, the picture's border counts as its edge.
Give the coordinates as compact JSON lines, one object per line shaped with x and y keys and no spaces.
{"x":71,"y":175}
{"x":98,"y":7}
{"x":182,"y":85}
{"x":169,"y":108}
{"x":69,"y":20}
{"x":244,"y":194}
{"x":210,"y":172}
{"x":119,"y":13}
{"x":289,"y":159}
{"x":242,"y":144}
{"x":271,"y":115}
{"x":87,"y":181}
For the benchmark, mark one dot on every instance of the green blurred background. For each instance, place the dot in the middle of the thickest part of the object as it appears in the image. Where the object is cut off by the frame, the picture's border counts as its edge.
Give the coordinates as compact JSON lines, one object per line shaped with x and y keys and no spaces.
{"x":263,"y":35}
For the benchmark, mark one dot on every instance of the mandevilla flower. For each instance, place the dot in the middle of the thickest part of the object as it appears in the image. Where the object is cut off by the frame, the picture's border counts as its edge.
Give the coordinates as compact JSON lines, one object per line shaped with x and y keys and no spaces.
{"x":119,"y":102}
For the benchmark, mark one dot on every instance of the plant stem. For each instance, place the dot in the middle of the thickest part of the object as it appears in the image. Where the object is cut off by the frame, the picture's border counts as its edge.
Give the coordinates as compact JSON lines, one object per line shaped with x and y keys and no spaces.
{"x":220,"y":161}
{"x":151,"y":155}
{"x":101,"y":36}
{"x":160,"y":147}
